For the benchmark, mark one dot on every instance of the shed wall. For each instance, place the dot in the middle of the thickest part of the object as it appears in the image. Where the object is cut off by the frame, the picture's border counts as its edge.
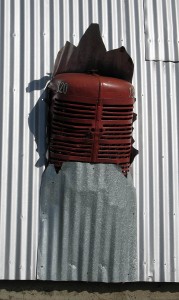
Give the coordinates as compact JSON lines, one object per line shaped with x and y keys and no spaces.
{"x":32,"y":32}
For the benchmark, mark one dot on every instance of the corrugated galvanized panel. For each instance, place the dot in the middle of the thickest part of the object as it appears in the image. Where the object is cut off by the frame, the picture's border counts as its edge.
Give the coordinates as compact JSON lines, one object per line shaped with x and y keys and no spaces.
{"x":161,"y":20}
{"x":88,"y":226}
{"x":32,"y":31}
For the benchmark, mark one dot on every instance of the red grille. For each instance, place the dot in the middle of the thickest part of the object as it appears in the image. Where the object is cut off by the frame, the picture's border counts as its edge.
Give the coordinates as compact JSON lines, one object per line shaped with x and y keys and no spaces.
{"x":91,"y":121}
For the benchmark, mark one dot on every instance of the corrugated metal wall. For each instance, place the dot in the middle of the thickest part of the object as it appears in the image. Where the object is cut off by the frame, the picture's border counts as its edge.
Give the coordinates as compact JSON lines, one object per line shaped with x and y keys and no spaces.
{"x":32,"y":31}
{"x":162,"y":30}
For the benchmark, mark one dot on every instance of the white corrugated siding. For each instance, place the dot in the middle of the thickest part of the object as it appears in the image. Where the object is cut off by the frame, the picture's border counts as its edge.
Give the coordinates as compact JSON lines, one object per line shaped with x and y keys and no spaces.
{"x":161,"y":30}
{"x":32,"y":31}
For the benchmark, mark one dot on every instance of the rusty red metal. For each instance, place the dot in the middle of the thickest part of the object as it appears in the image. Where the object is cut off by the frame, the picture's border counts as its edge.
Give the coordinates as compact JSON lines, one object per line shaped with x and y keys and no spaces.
{"x":91,"y":119}
{"x":91,"y":54}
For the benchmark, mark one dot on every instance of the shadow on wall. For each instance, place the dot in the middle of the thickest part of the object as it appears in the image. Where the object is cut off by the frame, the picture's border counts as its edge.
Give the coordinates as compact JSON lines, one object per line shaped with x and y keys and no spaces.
{"x":38,"y":118}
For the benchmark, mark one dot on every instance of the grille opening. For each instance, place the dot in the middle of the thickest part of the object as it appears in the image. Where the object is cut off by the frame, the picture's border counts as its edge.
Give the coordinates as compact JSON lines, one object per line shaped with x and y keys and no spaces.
{"x":73,"y":116}
{"x":76,"y":112}
{"x":119,"y":127}
{"x":67,"y":141}
{"x":116,"y":136}
{"x":119,"y":150}
{"x":69,"y":134}
{"x":66,"y":145}
{"x":114,"y":157}
{"x":70,"y":131}
{"x":116,"y":129}
{"x":59,"y":125}
{"x":109,"y":117}
{"x":115,"y":152}
{"x":66,"y":155}
{"x":62,"y":105}
{"x":76,"y":103}
{"x":111,"y":146}
{"x":119,"y":110}
{"x":117,"y":114}
{"x":67,"y":151}
{"x":117,"y":132}
{"x":68,"y":122}
{"x":116,"y":106}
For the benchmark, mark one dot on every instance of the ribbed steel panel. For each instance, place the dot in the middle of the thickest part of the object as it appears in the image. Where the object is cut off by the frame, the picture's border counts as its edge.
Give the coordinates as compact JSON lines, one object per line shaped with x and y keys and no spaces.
{"x":157,"y":180}
{"x":88,"y":228}
{"x":32,"y":31}
{"x":161,"y":19}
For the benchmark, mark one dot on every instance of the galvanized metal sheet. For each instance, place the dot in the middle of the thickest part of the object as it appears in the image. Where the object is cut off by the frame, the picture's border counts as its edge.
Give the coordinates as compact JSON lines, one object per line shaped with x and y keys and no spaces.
{"x":161,"y":19}
{"x":88,"y":226}
{"x":32,"y":32}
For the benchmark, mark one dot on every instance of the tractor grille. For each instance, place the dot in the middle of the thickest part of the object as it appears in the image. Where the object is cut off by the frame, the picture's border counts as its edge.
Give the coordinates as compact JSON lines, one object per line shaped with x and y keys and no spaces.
{"x":94,"y":130}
